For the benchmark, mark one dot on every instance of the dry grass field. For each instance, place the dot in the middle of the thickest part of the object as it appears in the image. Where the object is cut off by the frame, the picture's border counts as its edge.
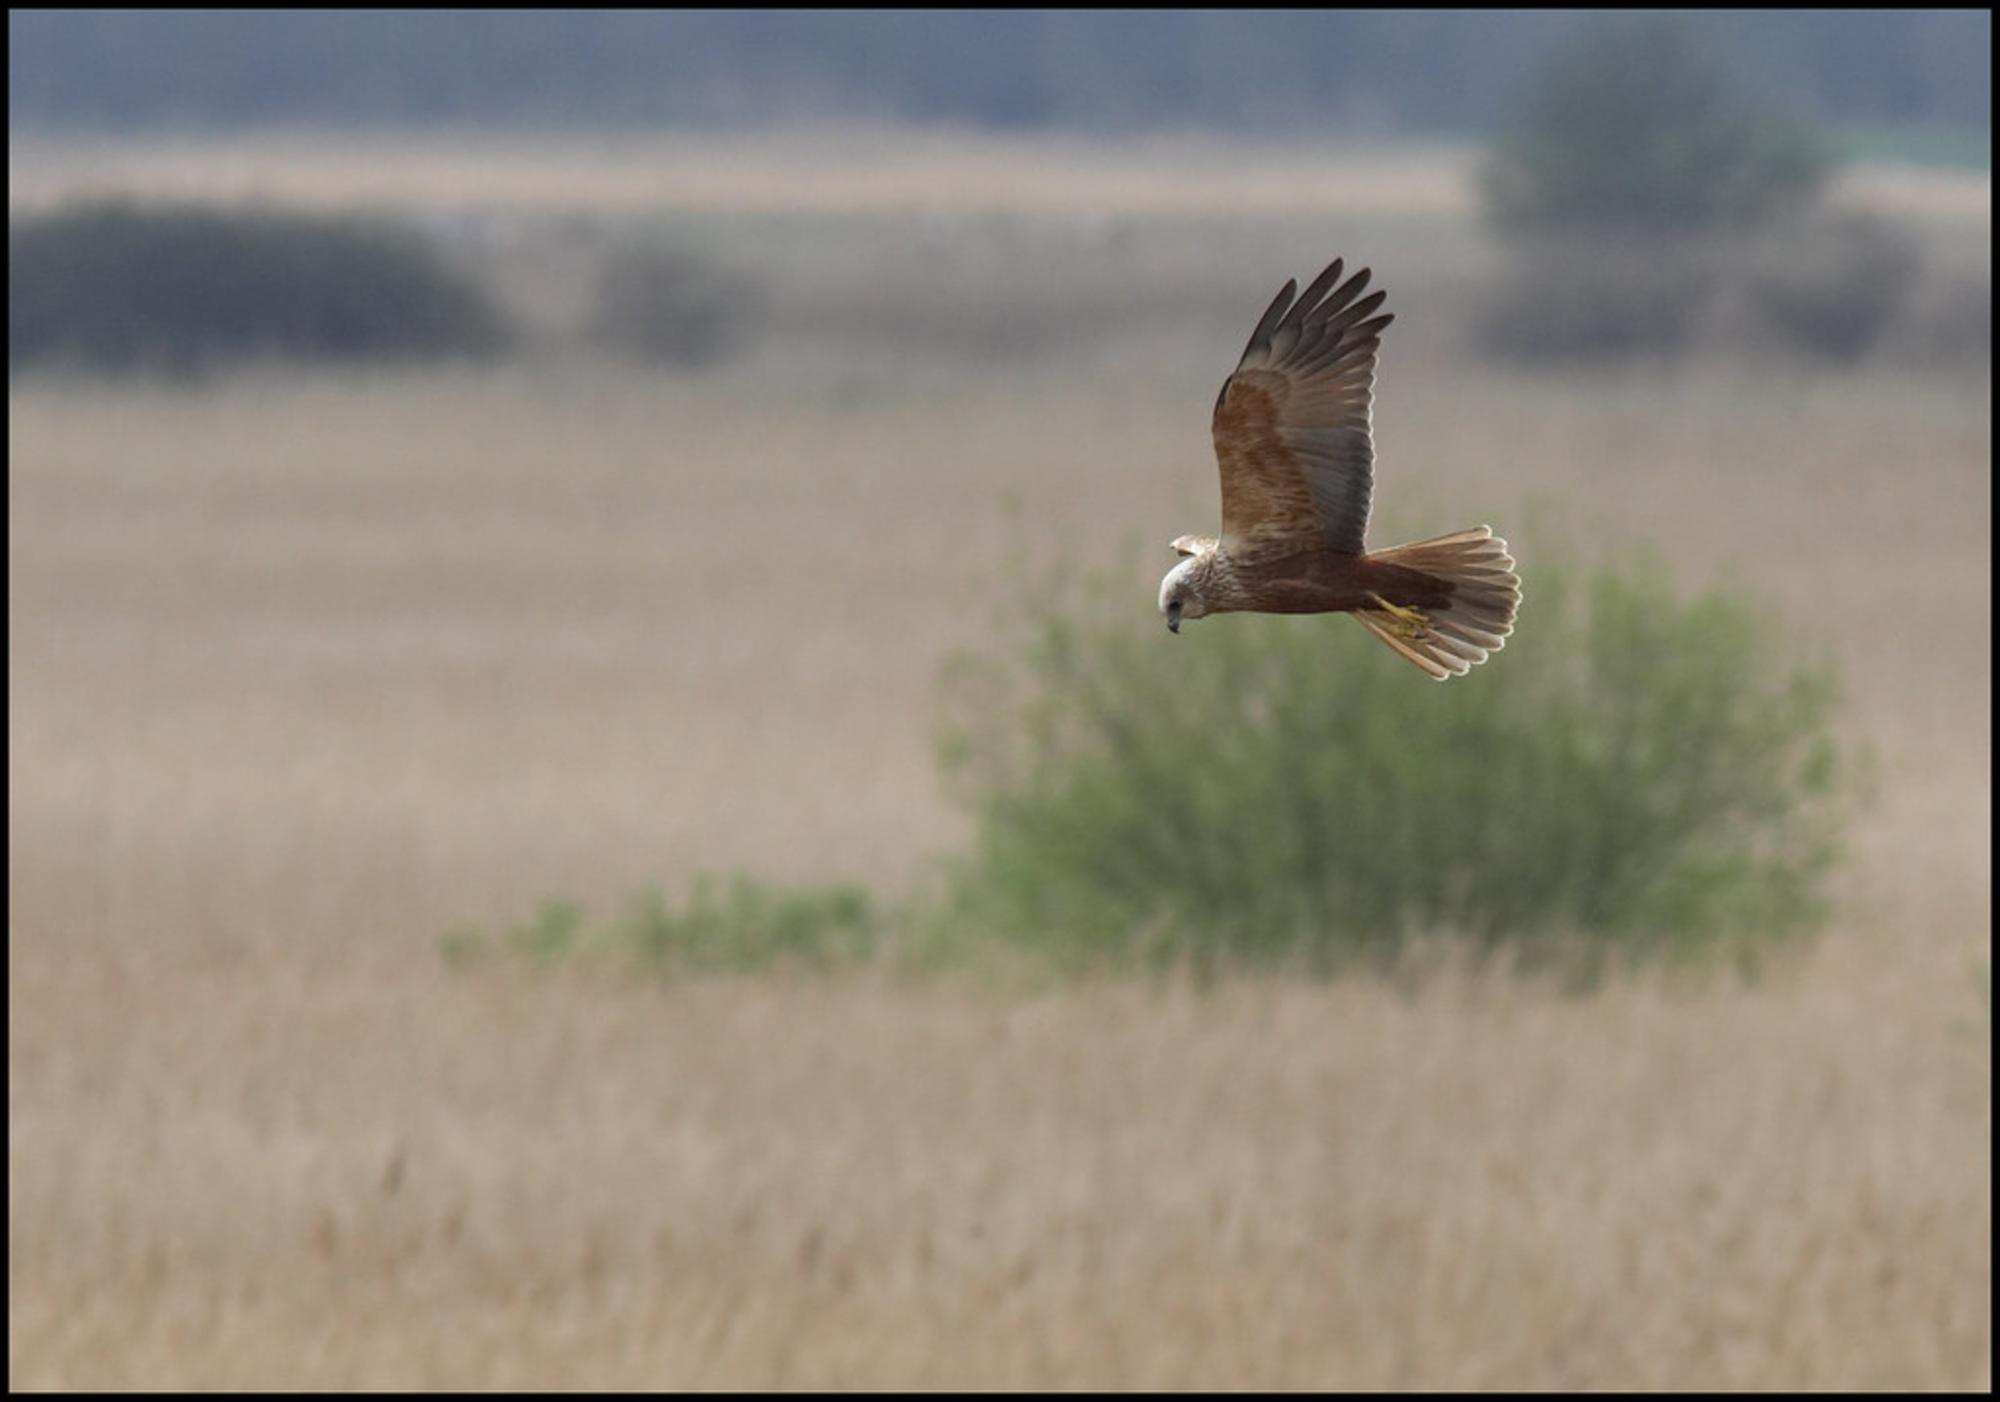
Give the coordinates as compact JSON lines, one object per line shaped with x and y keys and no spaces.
{"x":304,"y":669}
{"x":846,"y":170}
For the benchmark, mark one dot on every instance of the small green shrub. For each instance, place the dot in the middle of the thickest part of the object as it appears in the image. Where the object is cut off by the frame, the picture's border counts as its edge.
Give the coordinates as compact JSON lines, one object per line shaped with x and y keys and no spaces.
{"x":741,"y":926}
{"x":1635,"y":776}
{"x":663,"y":305}
{"x":117,"y":286}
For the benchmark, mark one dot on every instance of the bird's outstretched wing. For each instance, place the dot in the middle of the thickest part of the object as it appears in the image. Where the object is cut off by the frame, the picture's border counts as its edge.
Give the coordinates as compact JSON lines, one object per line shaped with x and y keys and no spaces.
{"x":1291,"y":424}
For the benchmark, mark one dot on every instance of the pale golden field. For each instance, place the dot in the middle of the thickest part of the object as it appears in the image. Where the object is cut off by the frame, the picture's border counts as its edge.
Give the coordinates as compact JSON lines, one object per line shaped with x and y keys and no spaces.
{"x":305,"y":669}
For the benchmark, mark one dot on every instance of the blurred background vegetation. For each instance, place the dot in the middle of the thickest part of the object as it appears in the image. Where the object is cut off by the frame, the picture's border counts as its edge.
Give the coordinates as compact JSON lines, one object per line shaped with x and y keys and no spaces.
{"x":1642,"y":183}
{"x":1656,"y":184}
{"x":123,"y":286}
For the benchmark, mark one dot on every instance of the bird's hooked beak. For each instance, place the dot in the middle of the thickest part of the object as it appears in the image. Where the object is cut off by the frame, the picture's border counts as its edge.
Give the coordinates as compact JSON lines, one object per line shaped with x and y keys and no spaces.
{"x":1174,"y":616}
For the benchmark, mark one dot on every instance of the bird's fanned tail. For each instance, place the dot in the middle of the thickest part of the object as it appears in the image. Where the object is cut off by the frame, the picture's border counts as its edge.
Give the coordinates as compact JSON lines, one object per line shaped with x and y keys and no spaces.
{"x":1448,"y":639}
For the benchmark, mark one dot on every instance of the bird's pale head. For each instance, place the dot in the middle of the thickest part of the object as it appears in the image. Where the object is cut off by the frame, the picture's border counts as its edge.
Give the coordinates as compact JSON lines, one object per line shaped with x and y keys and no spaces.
{"x":1181,"y":592}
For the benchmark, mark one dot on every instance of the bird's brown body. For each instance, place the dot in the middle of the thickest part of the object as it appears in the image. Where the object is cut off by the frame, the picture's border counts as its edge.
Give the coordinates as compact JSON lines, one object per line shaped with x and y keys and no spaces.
{"x":1318,"y":581}
{"x":1295,"y":448}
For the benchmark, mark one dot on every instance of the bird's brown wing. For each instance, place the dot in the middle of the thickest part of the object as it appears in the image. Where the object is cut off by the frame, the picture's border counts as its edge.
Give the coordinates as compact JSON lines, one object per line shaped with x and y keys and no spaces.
{"x":1291,"y":424}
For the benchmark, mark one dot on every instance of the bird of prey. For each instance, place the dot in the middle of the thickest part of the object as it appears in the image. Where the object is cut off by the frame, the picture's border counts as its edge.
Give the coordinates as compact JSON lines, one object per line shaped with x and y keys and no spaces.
{"x":1292,"y":437}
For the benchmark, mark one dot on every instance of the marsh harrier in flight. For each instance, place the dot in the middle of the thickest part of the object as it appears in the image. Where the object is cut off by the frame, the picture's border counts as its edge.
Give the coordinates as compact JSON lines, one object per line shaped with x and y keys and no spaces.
{"x":1291,"y":435}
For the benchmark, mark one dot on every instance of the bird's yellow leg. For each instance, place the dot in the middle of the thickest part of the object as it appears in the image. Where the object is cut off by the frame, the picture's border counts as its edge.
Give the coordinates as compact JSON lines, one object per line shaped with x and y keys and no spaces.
{"x":1404,"y":622}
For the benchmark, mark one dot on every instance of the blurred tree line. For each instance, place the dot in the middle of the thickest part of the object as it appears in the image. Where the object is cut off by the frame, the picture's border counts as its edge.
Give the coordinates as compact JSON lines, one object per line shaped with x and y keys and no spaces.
{"x":1367,"y":70}
{"x":1651,"y":199}
{"x":187,"y":290}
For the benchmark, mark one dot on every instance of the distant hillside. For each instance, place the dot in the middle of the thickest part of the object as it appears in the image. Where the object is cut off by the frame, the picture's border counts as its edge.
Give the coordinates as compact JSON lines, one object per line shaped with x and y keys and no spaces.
{"x":1368,"y":71}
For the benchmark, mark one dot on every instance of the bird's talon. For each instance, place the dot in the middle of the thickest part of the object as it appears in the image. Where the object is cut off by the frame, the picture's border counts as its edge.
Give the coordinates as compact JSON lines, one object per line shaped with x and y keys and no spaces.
{"x":1407,"y":623}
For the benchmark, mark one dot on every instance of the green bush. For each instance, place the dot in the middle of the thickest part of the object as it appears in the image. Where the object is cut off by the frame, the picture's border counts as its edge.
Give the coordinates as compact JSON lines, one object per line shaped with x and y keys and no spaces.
{"x":116,"y":286}
{"x":1632,"y":126}
{"x":1635,"y":776}
{"x":742,"y":926}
